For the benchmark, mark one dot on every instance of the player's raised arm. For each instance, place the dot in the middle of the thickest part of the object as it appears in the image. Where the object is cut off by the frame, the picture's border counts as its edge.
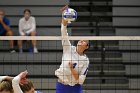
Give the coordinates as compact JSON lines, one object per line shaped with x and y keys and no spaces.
{"x":17,"y":80}
{"x":65,"y":42}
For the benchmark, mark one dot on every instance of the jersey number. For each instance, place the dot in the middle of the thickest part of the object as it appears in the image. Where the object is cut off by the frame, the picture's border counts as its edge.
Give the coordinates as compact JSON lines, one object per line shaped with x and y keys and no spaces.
{"x":74,"y":65}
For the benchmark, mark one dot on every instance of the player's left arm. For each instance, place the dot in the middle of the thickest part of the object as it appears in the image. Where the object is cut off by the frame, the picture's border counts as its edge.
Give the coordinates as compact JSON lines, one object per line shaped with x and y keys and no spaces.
{"x":82,"y":75}
{"x":18,"y":80}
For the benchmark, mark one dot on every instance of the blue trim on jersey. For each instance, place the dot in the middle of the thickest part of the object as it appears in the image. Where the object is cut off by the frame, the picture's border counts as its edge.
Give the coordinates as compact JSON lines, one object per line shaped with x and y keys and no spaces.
{"x":61,"y":88}
{"x":86,"y":71}
{"x":38,"y":92}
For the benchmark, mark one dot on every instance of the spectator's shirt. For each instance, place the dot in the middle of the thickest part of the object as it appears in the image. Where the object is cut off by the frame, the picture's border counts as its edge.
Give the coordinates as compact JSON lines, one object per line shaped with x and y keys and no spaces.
{"x":27,"y":26}
{"x":7,"y":22}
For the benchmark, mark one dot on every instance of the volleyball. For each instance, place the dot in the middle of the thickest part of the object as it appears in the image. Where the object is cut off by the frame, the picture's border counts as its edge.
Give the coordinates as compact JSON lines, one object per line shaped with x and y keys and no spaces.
{"x":69,"y":15}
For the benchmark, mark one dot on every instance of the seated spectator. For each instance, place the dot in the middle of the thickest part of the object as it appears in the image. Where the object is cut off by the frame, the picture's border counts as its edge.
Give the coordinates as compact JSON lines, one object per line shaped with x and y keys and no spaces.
{"x":5,"y":29}
{"x":27,"y":27}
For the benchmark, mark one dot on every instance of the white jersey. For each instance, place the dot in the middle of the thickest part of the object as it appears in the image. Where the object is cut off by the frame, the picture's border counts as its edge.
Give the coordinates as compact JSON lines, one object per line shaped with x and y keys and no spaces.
{"x":80,"y":63}
{"x":27,"y":26}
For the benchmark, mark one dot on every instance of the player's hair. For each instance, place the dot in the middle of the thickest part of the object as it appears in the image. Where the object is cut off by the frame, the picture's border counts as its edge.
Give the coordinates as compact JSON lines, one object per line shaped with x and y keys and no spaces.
{"x":6,"y":85}
{"x":88,"y":47}
{"x":26,"y":87}
{"x":27,"y":10}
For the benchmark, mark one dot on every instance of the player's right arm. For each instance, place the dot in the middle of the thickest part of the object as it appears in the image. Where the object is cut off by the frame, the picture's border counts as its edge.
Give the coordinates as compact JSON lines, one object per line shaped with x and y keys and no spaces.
{"x":65,"y":41}
{"x":16,"y":81}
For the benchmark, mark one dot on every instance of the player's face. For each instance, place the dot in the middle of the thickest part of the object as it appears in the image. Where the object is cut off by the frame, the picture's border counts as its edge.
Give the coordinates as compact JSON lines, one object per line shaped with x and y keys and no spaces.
{"x":83,"y":44}
{"x":5,"y":92}
{"x":31,"y":91}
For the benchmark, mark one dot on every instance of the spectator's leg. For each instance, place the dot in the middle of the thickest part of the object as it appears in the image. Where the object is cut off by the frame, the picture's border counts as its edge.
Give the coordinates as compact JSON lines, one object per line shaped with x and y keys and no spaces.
{"x":10,"y":33}
{"x":20,"y":46}
{"x":34,"y":42}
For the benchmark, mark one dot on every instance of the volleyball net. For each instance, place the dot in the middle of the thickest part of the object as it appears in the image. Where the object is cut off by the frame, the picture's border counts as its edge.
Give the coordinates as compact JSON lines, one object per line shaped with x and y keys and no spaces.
{"x":114,"y":61}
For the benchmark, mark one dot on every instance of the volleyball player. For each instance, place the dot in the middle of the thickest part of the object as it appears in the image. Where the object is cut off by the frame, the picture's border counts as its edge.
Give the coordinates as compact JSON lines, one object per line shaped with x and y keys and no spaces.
{"x":22,"y":85}
{"x":73,"y":69}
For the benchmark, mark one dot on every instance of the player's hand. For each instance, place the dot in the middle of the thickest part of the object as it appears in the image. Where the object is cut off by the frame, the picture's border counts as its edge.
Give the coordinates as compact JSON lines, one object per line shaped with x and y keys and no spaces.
{"x":23,"y":74}
{"x":71,"y":65}
{"x":64,"y":22}
{"x":23,"y":79}
{"x":64,"y":8}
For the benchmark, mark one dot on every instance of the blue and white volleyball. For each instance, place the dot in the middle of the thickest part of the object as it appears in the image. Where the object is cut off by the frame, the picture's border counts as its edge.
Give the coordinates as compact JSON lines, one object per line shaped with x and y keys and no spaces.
{"x":69,"y":15}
